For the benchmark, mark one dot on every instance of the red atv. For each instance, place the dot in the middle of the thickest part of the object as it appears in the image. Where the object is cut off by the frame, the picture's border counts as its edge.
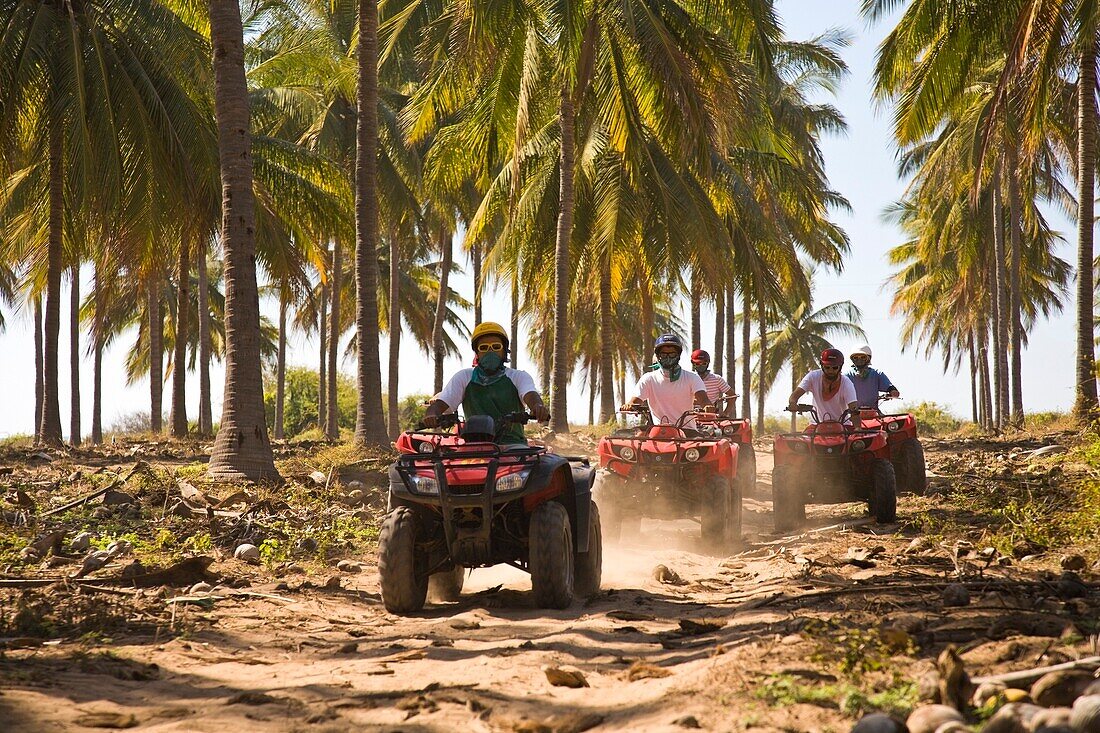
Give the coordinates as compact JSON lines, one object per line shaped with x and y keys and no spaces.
{"x":737,"y":430}
{"x":831,"y":463}
{"x":459,"y":499}
{"x":671,"y":472}
{"x":906,"y":452}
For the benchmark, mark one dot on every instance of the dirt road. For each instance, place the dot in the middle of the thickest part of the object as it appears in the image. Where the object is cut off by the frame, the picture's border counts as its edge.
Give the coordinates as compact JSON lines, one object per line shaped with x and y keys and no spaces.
{"x":796,"y":633}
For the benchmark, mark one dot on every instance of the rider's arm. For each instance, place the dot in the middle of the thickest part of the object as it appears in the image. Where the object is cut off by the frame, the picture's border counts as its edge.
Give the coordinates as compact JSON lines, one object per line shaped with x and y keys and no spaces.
{"x":701,"y":400}
{"x":795,"y":397}
{"x":889,"y":388}
{"x":853,"y":410}
{"x":435,"y":408}
{"x":453,"y":392}
{"x":636,"y":397}
{"x":535,"y":404}
{"x":731,"y":402}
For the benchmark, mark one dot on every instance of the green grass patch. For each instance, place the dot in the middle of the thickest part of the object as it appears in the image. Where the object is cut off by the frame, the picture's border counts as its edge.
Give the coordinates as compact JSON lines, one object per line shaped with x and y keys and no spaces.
{"x":899,"y":697}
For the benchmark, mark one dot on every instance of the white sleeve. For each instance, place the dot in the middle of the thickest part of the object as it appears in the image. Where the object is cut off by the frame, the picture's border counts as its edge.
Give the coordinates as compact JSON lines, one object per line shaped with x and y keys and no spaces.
{"x":699,"y":385}
{"x":639,"y":389}
{"x":807,"y":383}
{"x":848,"y":391}
{"x":524,"y":382}
{"x":455,"y":388}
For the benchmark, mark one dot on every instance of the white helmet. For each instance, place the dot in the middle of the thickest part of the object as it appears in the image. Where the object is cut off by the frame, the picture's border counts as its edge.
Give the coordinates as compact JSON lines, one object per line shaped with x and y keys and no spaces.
{"x":865,"y":350}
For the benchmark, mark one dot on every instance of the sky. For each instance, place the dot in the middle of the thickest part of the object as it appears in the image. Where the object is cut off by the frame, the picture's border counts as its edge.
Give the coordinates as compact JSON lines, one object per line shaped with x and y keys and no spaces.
{"x":860,"y":165}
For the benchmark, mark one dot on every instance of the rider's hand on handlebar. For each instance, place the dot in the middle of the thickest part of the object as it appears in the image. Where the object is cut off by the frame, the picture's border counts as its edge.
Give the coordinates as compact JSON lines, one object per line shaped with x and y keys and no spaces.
{"x":792,"y":407}
{"x":540,"y":413}
{"x":430,"y":421}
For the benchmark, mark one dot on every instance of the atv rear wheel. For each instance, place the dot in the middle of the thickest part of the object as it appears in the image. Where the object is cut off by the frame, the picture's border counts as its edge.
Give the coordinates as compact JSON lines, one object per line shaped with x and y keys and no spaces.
{"x":746,"y":469}
{"x":402,"y":570}
{"x":884,"y":501}
{"x":550,"y":560}
{"x":716,"y":504}
{"x":914,"y":476}
{"x":447,"y":585}
{"x":588,"y":566}
{"x":788,"y":501}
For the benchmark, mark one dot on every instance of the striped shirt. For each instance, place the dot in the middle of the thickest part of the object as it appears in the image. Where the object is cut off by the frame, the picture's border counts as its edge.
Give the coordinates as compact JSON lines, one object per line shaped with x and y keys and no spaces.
{"x":716,"y":386}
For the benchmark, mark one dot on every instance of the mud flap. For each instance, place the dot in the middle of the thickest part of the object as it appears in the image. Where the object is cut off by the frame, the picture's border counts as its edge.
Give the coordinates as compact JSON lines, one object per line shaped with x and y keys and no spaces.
{"x":583,"y":477}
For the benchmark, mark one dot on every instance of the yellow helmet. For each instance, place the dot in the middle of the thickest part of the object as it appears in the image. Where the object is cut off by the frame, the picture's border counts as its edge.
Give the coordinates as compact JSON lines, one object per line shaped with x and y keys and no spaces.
{"x":488,"y":328}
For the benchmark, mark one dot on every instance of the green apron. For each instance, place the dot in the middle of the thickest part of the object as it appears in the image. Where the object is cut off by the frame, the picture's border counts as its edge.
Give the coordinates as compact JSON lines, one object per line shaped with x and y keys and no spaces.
{"x":495,"y":400}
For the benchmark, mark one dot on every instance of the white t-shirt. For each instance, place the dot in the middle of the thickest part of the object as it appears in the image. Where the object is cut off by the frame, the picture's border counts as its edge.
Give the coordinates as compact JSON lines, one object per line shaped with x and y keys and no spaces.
{"x":833,"y":407}
{"x":455,"y":389}
{"x":668,"y":400}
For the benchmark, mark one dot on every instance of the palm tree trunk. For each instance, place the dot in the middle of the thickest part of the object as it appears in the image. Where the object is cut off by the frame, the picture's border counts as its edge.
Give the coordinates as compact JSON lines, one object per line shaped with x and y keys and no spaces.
{"x":394,"y":373}
{"x":794,"y":384}
{"x":513,"y":346}
{"x":719,"y":330}
{"x":559,"y":420}
{"x":179,"y":356}
{"x":206,"y":416}
{"x":648,"y":335}
{"x":696,"y":329}
{"x":438,"y":353}
{"x":592,"y":399}
{"x":49,"y":431}
{"x":322,"y":369}
{"x":242,"y":449}
{"x":973,"y":377}
{"x":746,"y":366}
{"x":370,"y":425}
{"x":1000,"y":320}
{"x":97,"y":360}
{"x":280,"y":365}
{"x":984,"y":379}
{"x":74,"y":356}
{"x":1015,"y":307}
{"x":731,"y":339}
{"x":607,"y":347}
{"x":547,"y":364}
{"x":39,"y":376}
{"x":332,"y":417}
{"x":1085,"y":406}
{"x":763,"y":326}
{"x":475,"y":261}
{"x":156,"y":356}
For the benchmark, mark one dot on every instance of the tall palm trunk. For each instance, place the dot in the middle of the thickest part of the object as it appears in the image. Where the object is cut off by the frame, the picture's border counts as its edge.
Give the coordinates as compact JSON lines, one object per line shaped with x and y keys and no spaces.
{"x":156,"y":355}
{"x":648,"y":335}
{"x":1000,"y":334}
{"x":395,"y":336}
{"x":607,"y":349}
{"x":1015,"y":307}
{"x":280,"y":365}
{"x":696,"y":329}
{"x":179,"y":355}
{"x":746,"y":366}
{"x":438,"y":353}
{"x":370,"y":426}
{"x":762,"y":324}
{"x":513,"y":346}
{"x":97,"y":359}
{"x":795,"y":371}
{"x":719,"y":330}
{"x":545,"y":367}
{"x":973,"y":377}
{"x":475,"y":263}
{"x":322,"y":368}
{"x":984,"y":379}
{"x":49,"y":430}
{"x":39,"y":376}
{"x":242,"y":448}
{"x":559,"y":421}
{"x":74,"y":356}
{"x":206,"y":417}
{"x":332,"y":417}
{"x":1085,"y":406}
{"x":731,"y":339}
{"x":592,"y":398}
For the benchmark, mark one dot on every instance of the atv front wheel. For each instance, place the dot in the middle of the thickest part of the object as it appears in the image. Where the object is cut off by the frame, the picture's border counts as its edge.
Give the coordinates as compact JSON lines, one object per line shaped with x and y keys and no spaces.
{"x":716,"y":506}
{"x":401,"y":568}
{"x":746,"y":469}
{"x":589,"y":565}
{"x":788,"y":501}
{"x":447,"y":586}
{"x":914,"y":477}
{"x":550,"y":561}
{"x":884,"y":501}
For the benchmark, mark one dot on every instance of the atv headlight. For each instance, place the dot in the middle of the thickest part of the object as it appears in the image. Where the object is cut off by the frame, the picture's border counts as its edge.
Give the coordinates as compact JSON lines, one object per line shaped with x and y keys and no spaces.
{"x":513,"y":481}
{"x":425,"y":485}
{"x":729,"y":430}
{"x":425,"y":447}
{"x":893,"y":427}
{"x":627,"y":453}
{"x":858,"y":445}
{"x":691,"y":455}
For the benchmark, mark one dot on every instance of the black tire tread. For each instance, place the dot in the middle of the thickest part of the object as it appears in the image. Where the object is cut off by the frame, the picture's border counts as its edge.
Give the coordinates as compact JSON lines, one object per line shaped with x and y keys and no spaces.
{"x":588,"y":566}
{"x":551,"y":564}
{"x":403,"y":590}
{"x":884,"y":496}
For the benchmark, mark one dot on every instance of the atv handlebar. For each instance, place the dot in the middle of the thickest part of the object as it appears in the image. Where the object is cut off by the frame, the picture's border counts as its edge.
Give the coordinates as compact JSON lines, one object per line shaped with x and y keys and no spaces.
{"x":451,"y":419}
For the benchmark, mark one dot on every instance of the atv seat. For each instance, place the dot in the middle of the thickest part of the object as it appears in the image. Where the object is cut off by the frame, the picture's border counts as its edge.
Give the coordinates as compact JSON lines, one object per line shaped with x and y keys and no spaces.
{"x":829,"y":427}
{"x":665,"y":432}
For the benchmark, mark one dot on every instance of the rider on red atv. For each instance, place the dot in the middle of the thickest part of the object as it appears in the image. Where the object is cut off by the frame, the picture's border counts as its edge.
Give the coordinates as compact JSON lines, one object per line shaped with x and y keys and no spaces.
{"x":669,"y":390}
{"x":716,"y":385}
{"x":832,"y":392}
{"x":869,"y":382}
{"x":489,"y":388}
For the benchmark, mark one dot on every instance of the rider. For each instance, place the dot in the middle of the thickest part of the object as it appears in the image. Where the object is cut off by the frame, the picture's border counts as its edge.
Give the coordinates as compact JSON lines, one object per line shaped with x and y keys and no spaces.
{"x":489,"y":388}
{"x":669,"y":390}
{"x":869,"y":382}
{"x":832,"y":392}
{"x":716,"y":385}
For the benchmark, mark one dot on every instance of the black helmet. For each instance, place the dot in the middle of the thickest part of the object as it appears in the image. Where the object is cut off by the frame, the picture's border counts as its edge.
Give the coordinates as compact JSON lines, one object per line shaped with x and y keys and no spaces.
{"x":668,"y":339}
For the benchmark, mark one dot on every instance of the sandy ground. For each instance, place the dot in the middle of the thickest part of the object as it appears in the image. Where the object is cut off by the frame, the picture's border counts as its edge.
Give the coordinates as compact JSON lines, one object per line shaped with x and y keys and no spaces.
{"x":331,"y":658}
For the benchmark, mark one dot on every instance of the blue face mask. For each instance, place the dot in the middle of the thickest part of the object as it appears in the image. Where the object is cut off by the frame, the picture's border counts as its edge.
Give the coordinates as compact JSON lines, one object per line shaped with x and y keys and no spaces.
{"x":668,"y":361}
{"x":490,"y":362}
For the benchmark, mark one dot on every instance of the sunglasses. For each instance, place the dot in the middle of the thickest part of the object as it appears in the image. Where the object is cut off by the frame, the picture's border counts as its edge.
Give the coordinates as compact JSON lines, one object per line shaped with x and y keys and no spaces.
{"x":483,"y":348}
{"x":857,"y":359}
{"x":831,"y":368}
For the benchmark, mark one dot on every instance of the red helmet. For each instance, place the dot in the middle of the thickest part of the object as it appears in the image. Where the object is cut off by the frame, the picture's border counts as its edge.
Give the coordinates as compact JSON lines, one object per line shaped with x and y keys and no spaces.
{"x":700,"y":357}
{"x":832,"y":357}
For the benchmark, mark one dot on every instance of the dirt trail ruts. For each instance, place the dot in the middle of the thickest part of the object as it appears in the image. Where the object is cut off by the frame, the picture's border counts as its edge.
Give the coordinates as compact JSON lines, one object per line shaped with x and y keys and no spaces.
{"x":332,"y":659}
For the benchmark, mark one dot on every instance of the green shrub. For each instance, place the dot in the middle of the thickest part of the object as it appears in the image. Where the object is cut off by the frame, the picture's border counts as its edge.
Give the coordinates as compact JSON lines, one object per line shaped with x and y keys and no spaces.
{"x":410,"y":410}
{"x":300,"y":402}
{"x":932,"y":418}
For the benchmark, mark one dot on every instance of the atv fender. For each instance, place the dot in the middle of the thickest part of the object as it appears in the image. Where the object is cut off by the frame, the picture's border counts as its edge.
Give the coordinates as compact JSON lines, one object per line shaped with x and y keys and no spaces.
{"x":573,"y":490}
